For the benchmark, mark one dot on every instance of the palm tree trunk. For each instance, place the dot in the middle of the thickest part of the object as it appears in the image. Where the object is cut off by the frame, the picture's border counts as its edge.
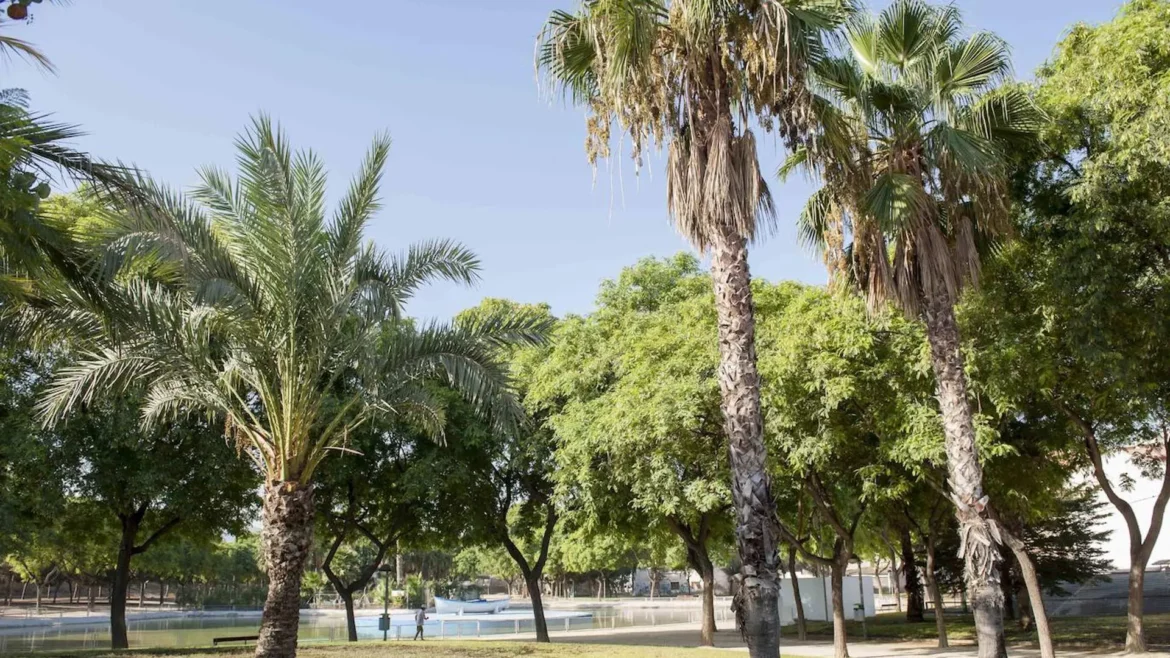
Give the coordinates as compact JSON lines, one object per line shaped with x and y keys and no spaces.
{"x":981,"y":551}
{"x":801,"y":626}
{"x":287,"y":536}
{"x":739,"y":383}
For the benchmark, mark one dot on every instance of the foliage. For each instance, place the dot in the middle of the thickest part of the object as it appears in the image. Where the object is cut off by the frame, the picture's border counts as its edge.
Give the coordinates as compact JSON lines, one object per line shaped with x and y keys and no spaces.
{"x":272,"y":307}
{"x":631,"y":394}
{"x":913,"y":122}
{"x":667,"y":73}
{"x":1077,"y":313}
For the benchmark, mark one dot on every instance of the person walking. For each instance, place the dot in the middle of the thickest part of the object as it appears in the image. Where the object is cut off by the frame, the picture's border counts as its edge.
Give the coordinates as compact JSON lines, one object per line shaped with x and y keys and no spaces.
{"x":419,"y":618}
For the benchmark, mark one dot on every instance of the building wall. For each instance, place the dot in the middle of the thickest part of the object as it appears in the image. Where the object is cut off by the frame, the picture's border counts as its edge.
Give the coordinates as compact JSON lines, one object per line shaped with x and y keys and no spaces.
{"x":817,"y":595}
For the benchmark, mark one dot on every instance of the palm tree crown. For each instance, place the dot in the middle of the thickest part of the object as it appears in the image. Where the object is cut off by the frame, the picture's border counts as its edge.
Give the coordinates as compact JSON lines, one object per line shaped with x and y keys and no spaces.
{"x":34,"y":152}
{"x":691,"y":74}
{"x":256,"y":307}
{"x":913,"y":120}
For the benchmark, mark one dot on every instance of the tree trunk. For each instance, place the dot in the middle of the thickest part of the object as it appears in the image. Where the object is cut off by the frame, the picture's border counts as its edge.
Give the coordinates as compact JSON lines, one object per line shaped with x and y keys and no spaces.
{"x":981,"y":551}
{"x":914,"y":602}
{"x":1035,"y":595}
{"x":801,"y":625}
{"x":89,"y":598}
{"x":533,"y":581}
{"x":1135,"y":636}
{"x":895,"y":583}
{"x":837,"y":580}
{"x":1008,"y":585}
{"x":119,"y":588}
{"x":8,"y":590}
{"x":940,"y":622}
{"x":739,"y":385}
{"x":142,"y":592}
{"x":286,"y":539}
{"x":162,"y":593}
{"x":350,"y":619}
{"x":1139,"y":548}
{"x":1025,"y":620}
{"x":707,"y":574}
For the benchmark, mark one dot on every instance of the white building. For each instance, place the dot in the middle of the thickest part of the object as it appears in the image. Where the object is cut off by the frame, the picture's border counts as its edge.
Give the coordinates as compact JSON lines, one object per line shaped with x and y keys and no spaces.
{"x":817,"y":596}
{"x":815,"y":593}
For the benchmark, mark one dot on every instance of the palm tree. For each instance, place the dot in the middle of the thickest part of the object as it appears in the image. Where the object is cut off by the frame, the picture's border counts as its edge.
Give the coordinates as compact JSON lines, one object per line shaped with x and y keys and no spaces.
{"x":914,"y":122}
{"x":693,"y":75}
{"x":34,"y":151}
{"x":286,"y":324}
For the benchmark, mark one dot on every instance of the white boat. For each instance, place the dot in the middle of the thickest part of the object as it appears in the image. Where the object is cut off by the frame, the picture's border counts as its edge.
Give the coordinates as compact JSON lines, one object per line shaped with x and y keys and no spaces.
{"x":477,"y":606}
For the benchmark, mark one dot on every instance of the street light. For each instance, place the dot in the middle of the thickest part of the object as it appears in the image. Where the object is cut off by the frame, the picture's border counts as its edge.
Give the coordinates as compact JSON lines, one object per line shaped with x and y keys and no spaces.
{"x":384,"y":622}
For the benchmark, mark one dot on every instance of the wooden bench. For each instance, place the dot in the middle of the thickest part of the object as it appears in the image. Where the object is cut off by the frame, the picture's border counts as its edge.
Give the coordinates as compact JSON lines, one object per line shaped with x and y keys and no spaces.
{"x":215,"y":642}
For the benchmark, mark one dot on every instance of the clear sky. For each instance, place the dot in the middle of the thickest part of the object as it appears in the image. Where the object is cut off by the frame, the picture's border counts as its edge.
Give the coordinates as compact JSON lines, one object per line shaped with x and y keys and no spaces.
{"x":478,"y":155}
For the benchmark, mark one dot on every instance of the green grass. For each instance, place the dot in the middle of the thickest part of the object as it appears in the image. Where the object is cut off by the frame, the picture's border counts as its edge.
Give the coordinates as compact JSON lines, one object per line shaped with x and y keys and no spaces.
{"x":434,"y":649}
{"x":1068,"y":632}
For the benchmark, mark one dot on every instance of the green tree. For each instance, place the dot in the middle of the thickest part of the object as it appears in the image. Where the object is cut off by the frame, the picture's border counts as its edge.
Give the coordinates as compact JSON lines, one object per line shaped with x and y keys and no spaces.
{"x":273,"y":310}
{"x":366,"y":501}
{"x":913,"y":126}
{"x":835,"y":406}
{"x":182,"y":477}
{"x":1076,"y":311}
{"x":498,"y":485}
{"x":632,"y":395}
{"x":692,"y":75}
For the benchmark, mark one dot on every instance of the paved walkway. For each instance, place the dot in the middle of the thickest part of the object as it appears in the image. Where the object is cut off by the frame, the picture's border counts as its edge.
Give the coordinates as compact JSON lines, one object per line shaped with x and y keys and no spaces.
{"x":686,"y":635}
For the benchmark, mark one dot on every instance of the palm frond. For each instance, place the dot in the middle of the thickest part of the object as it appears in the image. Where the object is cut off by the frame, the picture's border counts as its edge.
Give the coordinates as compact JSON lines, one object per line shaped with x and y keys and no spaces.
{"x":359,"y":204}
{"x":812,"y":224}
{"x":897,"y":201}
{"x":10,"y":46}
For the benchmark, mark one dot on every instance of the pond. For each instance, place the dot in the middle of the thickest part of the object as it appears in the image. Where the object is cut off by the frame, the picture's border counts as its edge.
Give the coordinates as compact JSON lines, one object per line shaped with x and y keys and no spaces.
{"x":317,"y":627}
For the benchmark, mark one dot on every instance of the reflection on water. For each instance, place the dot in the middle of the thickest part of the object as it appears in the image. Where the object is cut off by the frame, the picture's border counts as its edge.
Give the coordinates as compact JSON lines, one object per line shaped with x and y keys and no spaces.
{"x":199,"y":631}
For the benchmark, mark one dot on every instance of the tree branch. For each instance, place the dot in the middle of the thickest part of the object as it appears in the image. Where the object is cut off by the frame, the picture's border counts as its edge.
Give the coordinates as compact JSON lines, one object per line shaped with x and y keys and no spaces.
{"x":1094,"y":450}
{"x":550,"y":523}
{"x":1160,"y":503}
{"x":793,"y":541}
{"x":167,"y":527}
{"x":820,"y":499}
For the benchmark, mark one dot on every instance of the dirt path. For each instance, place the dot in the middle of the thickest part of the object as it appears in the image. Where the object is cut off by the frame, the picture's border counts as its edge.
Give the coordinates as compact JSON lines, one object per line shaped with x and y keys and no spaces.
{"x":685,"y":635}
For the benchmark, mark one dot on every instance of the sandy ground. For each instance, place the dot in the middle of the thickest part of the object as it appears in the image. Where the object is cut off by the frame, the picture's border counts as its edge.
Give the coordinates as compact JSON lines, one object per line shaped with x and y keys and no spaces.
{"x":685,"y":635}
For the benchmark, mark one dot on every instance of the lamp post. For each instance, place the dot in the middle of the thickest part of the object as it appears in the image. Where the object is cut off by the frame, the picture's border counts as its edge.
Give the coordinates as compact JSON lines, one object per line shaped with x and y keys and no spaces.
{"x":384,"y":623}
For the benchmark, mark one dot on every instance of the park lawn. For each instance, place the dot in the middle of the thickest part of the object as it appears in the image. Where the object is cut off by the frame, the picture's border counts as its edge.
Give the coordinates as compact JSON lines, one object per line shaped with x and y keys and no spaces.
{"x":434,"y":649}
{"x":1106,"y":632}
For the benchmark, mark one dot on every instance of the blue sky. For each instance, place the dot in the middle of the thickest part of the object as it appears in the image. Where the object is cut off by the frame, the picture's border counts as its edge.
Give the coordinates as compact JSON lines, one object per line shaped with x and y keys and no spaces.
{"x":478,"y":155}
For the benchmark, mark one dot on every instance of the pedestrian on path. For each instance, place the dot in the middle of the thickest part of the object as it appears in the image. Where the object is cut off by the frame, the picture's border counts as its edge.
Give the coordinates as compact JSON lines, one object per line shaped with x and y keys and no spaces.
{"x":419,"y":618}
